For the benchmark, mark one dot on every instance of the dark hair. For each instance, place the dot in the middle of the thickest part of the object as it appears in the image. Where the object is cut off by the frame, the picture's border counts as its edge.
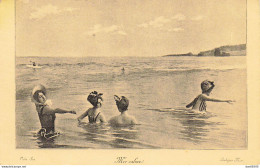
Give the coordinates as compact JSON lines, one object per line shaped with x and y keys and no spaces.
{"x":204,"y":83}
{"x":36,"y":94}
{"x":93,"y":97}
{"x":123,"y":103}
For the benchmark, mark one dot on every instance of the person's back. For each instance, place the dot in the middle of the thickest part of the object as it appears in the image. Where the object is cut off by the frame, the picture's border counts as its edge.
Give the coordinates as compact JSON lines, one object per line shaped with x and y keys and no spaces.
{"x":123,"y":118}
{"x":199,"y":103}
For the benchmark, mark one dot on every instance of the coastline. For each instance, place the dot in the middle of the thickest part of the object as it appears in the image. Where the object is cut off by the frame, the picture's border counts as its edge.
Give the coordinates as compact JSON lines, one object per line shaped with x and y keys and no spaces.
{"x":222,"y":51}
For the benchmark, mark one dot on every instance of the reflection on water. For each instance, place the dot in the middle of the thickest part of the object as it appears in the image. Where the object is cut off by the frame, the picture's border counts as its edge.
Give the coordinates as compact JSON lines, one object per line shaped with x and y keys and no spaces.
{"x":194,"y":129}
{"x":195,"y":126}
{"x":115,"y":137}
{"x":51,"y":143}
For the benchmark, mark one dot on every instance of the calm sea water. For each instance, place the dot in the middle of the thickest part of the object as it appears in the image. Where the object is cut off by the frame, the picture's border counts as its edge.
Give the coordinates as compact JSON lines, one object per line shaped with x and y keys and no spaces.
{"x":158,"y":90}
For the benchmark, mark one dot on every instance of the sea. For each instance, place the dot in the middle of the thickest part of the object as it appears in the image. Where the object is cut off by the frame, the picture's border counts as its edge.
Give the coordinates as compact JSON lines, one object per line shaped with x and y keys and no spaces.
{"x":158,"y":89}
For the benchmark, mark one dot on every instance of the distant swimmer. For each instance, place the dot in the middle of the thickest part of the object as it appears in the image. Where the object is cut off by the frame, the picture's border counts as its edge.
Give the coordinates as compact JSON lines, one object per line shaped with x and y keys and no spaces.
{"x":199,"y":103}
{"x":123,"y":70}
{"x":94,"y":114}
{"x":45,"y":112}
{"x":122,"y":119}
{"x":33,"y":63}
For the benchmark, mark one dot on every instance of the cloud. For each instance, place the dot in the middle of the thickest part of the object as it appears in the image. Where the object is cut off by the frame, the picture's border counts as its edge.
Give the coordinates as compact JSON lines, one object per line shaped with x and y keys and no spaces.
{"x":198,"y":18}
{"x":179,"y":17}
{"x":46,"y":10}
{"x":114,"y":29}
{"x":156,"y":23}
{"x":161,"y":21}
{"x":122,"y":33}
{"x":144,"y":25}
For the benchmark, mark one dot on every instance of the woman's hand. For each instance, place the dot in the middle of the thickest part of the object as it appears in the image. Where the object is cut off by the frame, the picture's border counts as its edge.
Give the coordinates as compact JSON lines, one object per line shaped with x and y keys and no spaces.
{"x":73,"y":112}
{"x":230,"y":101}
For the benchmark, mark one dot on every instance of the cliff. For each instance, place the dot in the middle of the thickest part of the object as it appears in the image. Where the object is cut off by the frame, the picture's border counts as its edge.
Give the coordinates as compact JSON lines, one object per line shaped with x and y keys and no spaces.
{"x":175,"y":55}
{"x":227,"y":50}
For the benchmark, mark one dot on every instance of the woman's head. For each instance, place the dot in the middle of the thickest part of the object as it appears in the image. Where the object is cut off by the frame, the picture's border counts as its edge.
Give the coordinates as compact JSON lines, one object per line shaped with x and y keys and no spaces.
{"x":39,"y":94}
{"x":39,"y":97}
{"x":122,"y":103}
{"x":95,"y":98}
{"x":206,"y":86}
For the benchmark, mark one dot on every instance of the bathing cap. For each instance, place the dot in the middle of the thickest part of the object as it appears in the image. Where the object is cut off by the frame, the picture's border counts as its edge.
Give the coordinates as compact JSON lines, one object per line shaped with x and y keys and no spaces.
{"x":205,"y":86}
{"x":122,"y":103}
{"x":36,"y":90}
{"x":94,"y":98}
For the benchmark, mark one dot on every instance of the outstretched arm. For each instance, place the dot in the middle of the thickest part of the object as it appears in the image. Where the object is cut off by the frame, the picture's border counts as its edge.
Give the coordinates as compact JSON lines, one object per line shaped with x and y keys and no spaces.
{"x":61,"y":111}
{"x":216,"y":100}
{"x":83,"y":115}
{"x":192,"y":103}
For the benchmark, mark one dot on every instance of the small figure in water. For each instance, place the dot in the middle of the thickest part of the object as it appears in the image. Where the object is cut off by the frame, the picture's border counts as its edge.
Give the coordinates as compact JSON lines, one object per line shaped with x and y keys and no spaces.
{"x":123,"y":70}
{"x":94,"y":114}
{"x":122,"y":119}
{"x":33,"y":63}
{"x":199,"y":103}
{"x":45,"y":112}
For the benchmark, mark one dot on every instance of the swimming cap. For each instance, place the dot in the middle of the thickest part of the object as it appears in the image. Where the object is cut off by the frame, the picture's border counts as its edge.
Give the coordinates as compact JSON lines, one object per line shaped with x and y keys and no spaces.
{"x":122,"y":103}
{"x":36,"y":90}
{"x":94,"y":98}
{"x":205,"y":86}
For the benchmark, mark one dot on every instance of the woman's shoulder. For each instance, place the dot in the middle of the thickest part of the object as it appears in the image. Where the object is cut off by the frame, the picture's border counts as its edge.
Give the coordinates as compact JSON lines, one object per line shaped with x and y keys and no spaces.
{"x":113,"y":119}
{"x":47,"y":109}
{"x":116,"y":117}
{"x":202,"y":95}
{"x":132,"y":118}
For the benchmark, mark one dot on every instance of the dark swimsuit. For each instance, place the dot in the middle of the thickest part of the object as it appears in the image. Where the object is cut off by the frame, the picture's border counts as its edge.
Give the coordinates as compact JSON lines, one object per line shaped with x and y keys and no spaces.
{"x":47,"y":120}
{"x":203,"y":106}
{"x":93,"y":119}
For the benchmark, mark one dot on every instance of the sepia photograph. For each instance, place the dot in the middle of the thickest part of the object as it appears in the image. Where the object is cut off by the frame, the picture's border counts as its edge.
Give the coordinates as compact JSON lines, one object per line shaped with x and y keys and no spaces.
{"x":167,"y":74}
{"x":129,"y":82}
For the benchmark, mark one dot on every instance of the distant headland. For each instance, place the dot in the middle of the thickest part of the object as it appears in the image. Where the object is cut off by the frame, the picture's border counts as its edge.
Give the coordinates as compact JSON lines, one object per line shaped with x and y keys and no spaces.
{"x":227,"y":50}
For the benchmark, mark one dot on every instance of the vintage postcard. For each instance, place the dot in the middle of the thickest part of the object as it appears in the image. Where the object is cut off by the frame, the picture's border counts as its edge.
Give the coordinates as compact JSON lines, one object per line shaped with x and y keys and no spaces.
{"x":130,"y":82}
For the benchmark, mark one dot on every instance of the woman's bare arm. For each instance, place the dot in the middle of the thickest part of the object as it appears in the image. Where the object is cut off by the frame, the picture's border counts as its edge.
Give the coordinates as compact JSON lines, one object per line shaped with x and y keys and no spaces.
{"x":82,"y":116}
{"x":192,"y":103}
{"x":61,"y":111}
{"x":215,"y":100}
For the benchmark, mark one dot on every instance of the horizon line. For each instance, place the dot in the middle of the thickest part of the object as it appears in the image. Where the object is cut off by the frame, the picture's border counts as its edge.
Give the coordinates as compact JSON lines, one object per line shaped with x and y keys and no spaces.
{"x":136,"y":55}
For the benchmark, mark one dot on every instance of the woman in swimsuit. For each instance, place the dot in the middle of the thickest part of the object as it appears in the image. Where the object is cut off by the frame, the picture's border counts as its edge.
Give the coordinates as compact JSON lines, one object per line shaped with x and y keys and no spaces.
{"x":199,"y":103}
{"x":94,"y":114}
{"x":45,"y":112}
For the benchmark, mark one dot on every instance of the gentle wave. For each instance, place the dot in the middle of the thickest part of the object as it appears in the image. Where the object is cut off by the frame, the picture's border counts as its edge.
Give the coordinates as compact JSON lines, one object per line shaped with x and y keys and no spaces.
{"x":65,"y":64}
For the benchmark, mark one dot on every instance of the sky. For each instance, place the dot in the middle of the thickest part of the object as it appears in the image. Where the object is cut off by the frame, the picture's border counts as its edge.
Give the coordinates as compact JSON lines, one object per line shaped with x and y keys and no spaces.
{"x":82,"y":28}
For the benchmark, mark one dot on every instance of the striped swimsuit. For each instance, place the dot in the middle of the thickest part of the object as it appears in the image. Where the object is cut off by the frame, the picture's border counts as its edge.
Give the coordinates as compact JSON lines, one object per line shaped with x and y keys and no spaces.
{"x":202,"y":106}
